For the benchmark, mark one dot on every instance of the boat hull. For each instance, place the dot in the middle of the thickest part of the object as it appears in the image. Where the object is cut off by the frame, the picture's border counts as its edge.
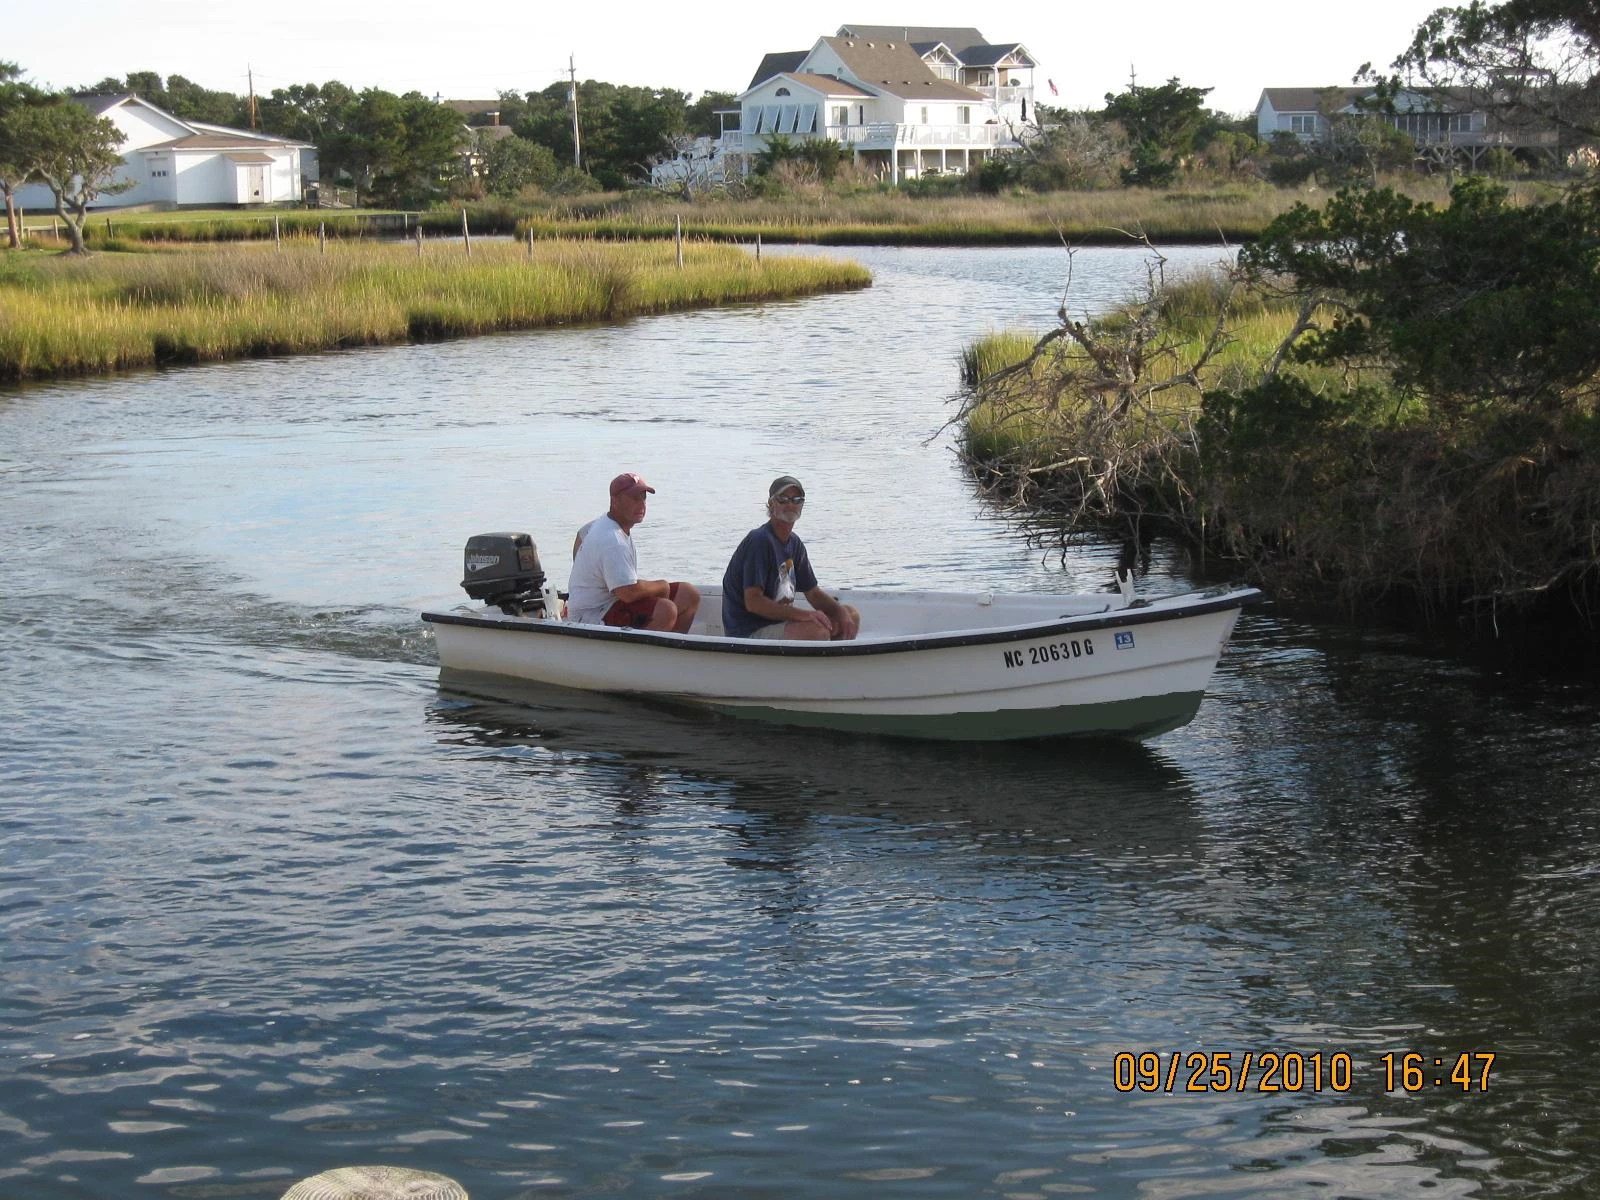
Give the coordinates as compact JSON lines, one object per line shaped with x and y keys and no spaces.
{"x":1129,"y":672}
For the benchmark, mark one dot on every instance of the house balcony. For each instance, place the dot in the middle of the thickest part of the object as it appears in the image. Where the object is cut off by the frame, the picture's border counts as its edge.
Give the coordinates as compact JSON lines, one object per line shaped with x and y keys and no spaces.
{"x":886,"y":135}
{"x":1511,"y":139}
{"x":1010,"y":93}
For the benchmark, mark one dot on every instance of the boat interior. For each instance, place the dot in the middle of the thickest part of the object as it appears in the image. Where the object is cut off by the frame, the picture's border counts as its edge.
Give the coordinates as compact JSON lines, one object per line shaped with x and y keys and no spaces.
{"x":896,"y":614}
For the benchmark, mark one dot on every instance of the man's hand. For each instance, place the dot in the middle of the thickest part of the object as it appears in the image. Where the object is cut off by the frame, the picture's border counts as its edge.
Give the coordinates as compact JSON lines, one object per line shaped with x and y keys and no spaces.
{"x":847,"y":626}
{"x":810,"y":616}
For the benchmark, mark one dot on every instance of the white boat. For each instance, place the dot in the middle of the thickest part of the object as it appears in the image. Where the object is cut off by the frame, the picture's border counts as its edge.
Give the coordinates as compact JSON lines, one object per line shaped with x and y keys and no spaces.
{"x":959,"y":666}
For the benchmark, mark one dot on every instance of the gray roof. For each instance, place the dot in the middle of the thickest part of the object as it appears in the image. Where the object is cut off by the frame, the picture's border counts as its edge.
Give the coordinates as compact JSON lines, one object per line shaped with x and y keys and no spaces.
{"x":472,"y":108}
{"x":896,"y":68}
{"x":1443,"y":99}
{"x":99,"y":102}
{"x":1311,"y":99}
{"x":950,"y":35}
{"x":989,"y":55}
{"x":780,"y":62}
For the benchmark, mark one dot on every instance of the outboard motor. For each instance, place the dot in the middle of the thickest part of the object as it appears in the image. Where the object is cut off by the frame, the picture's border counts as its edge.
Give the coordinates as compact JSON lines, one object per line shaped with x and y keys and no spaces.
{"x":503,"y":569}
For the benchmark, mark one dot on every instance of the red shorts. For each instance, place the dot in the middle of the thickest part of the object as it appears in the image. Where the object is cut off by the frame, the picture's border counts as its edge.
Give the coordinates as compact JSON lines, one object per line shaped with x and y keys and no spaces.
{"x":635,"y":614}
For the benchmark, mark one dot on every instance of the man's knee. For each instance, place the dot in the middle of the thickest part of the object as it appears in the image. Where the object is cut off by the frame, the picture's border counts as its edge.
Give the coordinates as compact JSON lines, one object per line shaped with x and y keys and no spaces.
{"x":665,"y":616}
{"x":686,"y":596}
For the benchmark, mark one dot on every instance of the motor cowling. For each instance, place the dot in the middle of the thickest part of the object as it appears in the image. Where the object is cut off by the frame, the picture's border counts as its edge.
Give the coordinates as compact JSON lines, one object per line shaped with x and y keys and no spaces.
{"x":502,"y":569}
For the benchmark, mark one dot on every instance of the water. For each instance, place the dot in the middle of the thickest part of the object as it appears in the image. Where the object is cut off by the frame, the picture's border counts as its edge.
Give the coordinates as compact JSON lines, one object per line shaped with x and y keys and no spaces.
{"x":271,"y":901}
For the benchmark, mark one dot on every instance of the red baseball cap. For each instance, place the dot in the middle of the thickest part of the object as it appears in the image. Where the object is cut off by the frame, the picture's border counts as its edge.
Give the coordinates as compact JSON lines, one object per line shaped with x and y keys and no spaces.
{"x":627,"y":482}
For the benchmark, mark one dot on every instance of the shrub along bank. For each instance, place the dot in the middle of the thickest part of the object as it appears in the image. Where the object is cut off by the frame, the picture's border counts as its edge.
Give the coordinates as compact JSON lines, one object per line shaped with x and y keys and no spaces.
{"x":1390,"y":406}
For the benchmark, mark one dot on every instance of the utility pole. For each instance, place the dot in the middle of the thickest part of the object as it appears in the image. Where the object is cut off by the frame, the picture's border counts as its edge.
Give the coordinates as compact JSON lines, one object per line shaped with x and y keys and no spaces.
{"x":572,"y":94}
{"x":250,"y":72}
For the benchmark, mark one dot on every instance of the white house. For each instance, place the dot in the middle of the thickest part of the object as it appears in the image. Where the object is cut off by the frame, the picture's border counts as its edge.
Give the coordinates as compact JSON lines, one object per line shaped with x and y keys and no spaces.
{"x":1443,"y":122}
{"x":173,"y":162}
{"x":907,"y":99}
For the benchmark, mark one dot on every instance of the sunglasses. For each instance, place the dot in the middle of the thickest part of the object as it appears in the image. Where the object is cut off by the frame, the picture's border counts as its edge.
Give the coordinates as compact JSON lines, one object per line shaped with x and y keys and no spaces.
{"x":800,"y":499}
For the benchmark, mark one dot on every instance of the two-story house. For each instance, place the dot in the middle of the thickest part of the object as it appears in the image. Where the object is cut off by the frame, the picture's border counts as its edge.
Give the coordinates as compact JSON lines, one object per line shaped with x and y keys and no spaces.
{"x":907,"y":100}
{"x":1442,"y":122}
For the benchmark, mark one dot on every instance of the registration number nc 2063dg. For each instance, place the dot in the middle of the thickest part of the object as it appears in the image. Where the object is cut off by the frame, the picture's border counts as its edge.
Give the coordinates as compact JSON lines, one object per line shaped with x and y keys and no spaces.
{"x":1049,"y":652}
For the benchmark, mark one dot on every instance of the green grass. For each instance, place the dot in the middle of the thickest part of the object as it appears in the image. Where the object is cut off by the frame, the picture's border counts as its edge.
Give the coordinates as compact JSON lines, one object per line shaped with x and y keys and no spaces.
{"x":1233,"y":212}
{"x":1031,"y":423}
{"x":61,"y":315}
{"x":889,"y":218}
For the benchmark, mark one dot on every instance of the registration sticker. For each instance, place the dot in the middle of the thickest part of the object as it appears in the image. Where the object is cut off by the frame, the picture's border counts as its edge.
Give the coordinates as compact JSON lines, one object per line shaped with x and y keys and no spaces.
{"x":1125,"y":640}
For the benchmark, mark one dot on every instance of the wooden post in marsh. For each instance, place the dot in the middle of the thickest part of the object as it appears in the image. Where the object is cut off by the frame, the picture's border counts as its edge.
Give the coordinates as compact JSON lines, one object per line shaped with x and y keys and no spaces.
{"x":322,"y":236}
{"x":530,"y":243}
{"x":419,"y":239}
{"x":277,"y":232}
{"x":377,"y":1183}
{"x":680,"y":241}
{"x":758,"y":246}
{"x":466,"y":234}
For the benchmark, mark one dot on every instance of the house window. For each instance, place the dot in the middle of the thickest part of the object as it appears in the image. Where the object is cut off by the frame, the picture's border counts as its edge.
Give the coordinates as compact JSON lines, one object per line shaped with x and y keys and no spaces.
{"x":924,"y":114}
{"x":963,"y":114}
{"x":841,"y":114}
{"x":861,"y":114}
{"x":1303,"y":123}
{"x":1460,"y":122}
{"x":782,"y":92}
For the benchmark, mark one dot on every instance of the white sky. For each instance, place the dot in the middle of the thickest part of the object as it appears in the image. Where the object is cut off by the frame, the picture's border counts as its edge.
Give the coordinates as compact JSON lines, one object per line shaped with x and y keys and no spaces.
{"x":470,"y":50}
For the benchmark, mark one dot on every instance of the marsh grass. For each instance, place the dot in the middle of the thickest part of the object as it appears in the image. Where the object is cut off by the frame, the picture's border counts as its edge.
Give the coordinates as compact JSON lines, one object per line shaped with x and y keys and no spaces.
{"x":1032,"y":420}
{"x":60,"y":315}
{"x":896,"y":219}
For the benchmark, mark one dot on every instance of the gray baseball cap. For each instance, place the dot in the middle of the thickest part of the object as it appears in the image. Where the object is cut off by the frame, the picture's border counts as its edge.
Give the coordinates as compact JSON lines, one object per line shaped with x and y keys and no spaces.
{"x":782,"y":482}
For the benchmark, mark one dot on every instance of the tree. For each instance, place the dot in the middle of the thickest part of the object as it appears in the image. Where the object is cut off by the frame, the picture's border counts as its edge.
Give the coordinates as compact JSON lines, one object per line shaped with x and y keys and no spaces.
{"x":428,"y":150}
{"x":511,"y":164}
{"x":76,"y":155}
{"x":1534,"y":63}
{"x":15,"y":154}
{"x":1077,"y":151}
{"x":1483,"y":302}
{"x":1161,"y":124}
{"x":700,"y":120}
{"x":179,"y":96}
{"x":307,"y":112}
{"x":621,"y":129}
{"x":1364,"y":139}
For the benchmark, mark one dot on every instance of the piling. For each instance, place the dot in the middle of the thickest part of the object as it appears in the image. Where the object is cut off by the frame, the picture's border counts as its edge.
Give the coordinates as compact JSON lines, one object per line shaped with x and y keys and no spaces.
{"x":680,"y":241}
{"x":377,"y":1183}
{"x":466,"y":234}
{"x":322,"y":236}
{"x":277,"y":232}
{"x":419,"y":239}
{"x":758,"y":247}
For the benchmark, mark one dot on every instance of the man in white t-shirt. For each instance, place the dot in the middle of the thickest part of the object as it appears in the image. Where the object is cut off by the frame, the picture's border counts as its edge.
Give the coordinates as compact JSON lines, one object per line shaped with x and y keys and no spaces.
{"x":605,"y":588}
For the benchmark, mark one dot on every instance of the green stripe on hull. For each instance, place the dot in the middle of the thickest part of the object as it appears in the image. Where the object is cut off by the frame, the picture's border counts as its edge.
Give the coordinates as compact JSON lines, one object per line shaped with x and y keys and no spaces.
{"x":1141,"y":718}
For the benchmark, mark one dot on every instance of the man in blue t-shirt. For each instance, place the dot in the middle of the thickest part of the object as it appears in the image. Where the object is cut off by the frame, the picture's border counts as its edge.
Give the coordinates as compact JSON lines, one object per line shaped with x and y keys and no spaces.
{"x":769,"y":569}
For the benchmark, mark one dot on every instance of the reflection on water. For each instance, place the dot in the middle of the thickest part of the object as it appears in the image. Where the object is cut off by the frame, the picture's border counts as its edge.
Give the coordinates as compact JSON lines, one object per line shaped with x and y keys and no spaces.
{"x":274,"y":897}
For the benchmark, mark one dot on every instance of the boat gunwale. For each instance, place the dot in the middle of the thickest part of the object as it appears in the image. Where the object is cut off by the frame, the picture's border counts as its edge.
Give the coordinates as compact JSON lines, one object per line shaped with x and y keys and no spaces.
{"x":1233,"y":598}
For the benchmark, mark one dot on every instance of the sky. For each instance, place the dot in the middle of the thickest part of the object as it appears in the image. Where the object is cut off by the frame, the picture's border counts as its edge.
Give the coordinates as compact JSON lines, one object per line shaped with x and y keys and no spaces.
{"x":477,"y":51}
